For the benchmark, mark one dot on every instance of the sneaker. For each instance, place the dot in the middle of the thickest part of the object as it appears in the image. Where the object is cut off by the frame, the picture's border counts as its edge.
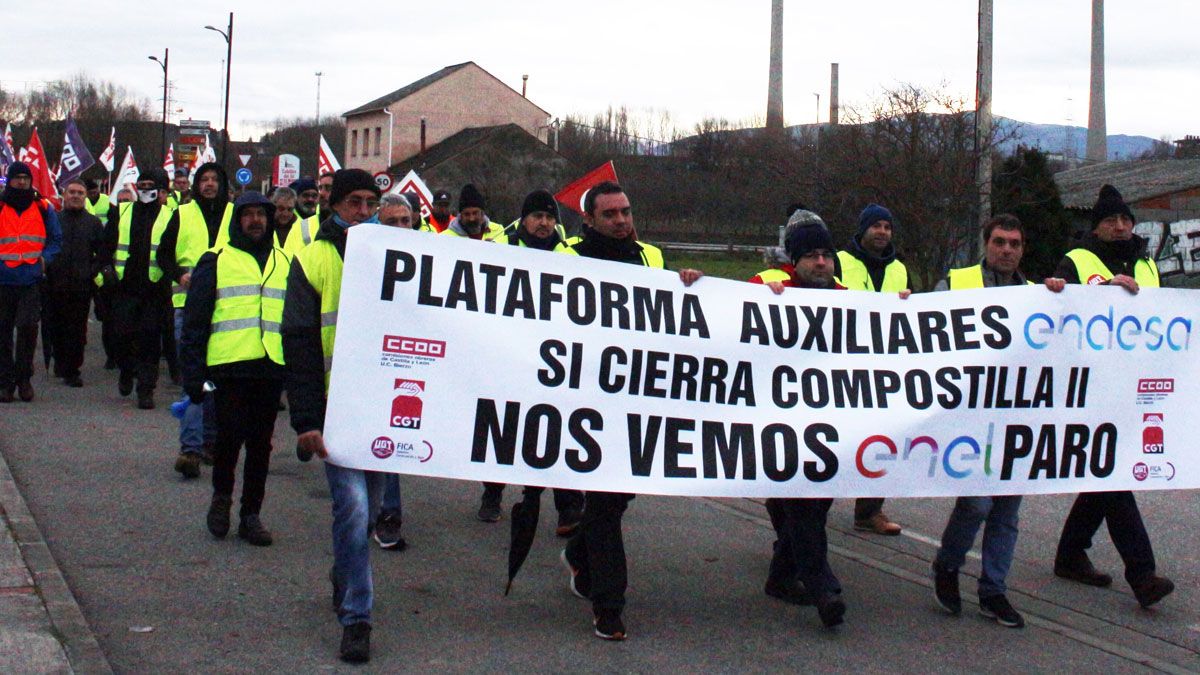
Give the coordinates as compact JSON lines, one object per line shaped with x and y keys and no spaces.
{"x":251,"y":529}
{"x":831,"y":608}
{"x":997,"y":607}
{"x":489,"y":511}
{"x":1152,"y":590}
{"x":580,"y":585}
{"x":25,"y":390}
{"x":188,"y":464}
{"x":608,"y":625}
{"x":74,"y":381}
{"x":878,"y":524}
{"x":218,"y":515}
{"x":945,"y":589}
{"x":1082,"y":571}
{"x":787,"y":590}
{"x":356,"y":643}
{"x":125,"y":383}
{"x":145,"y":402}
{"x":568,"y":522}
{"x":387,"y":533}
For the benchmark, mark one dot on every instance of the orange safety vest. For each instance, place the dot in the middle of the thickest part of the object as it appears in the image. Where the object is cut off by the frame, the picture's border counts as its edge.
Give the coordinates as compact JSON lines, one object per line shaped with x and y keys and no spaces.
{"x":22,"y":237}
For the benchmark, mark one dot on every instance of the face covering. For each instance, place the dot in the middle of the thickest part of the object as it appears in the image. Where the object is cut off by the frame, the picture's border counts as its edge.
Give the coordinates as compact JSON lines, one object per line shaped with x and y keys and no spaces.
{"x":147,"y":196}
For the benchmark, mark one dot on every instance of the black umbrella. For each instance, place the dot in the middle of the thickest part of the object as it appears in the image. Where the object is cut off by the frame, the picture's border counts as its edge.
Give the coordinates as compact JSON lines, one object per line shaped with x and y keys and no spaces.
{"x":524,"y":528}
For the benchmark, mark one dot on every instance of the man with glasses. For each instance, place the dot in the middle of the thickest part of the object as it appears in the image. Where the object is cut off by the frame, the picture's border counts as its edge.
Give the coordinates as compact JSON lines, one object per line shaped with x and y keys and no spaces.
{"x":324,"y":190}
{"x":1004,"y":246}
{"x":802,"y":548}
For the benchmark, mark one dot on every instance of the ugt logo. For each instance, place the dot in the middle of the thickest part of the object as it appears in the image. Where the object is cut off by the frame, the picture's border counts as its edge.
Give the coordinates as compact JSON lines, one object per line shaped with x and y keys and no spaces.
{"x":406,"y":407}
{"x":1152,"y":434}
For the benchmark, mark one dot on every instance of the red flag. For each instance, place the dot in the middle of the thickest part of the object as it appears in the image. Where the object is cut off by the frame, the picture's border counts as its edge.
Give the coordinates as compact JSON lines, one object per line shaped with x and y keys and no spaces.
{"x":35,"y":157}
{"x":326,"y":160}
{"x":573,"y":195}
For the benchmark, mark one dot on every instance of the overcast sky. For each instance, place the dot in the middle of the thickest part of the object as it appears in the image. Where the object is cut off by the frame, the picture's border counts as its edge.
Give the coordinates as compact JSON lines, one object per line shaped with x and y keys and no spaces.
{"x":692,"y":58}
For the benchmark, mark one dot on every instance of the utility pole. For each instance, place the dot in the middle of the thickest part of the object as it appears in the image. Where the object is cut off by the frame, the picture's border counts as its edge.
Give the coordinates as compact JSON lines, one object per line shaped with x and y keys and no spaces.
{"x":166,"y":96}
{"x":228,"y":70}
{"x":319,"y":74}
{"x":775,"y":78}
{"x":983,"y":118}
{"x":1097,"y":136}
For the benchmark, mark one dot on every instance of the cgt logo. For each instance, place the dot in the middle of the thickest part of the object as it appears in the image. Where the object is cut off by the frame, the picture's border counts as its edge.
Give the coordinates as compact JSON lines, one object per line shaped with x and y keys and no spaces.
{"x":399,"y":344}
{"x":1152,"y":434}
{"x":407,"y":406}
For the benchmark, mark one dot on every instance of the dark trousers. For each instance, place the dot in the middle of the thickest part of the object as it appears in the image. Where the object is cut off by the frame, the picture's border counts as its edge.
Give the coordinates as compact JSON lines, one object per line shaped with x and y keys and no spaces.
{"x":246,"y":410}
{"x":103,"y":310}
{"x":866,"y":507}
{"x":802,"y":548}
{"x":170,"y":350}
{"x":564,"y":500}
{"x":64,"y":321}
{"x":19,"y":313}
{"x":138,"y":322}
{"x":1125,"y":526}
{"x":598,"y":550}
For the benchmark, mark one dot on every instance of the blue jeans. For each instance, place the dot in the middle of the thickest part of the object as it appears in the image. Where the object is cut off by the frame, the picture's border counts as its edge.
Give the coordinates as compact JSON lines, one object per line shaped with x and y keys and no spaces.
{"x":999,"y":538}
{"x":391,"y":496}
{"x":355,"y":495}
{"x":198,"y":426}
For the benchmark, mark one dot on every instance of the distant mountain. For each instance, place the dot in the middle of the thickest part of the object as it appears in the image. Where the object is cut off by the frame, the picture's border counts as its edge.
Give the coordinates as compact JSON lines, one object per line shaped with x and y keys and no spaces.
{"x":1066,"y":140}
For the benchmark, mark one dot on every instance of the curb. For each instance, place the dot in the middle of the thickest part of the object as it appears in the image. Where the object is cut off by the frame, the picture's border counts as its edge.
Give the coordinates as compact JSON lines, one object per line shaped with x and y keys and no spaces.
{"x":67,"y":620}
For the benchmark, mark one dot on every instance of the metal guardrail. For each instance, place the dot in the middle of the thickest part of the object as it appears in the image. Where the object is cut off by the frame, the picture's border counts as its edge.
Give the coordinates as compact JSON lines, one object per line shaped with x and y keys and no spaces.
{"x":709,"y":248}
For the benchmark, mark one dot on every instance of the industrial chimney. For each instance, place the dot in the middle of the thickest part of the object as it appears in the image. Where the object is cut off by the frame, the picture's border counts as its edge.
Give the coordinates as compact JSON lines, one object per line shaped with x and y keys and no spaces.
{"x":833,"y":94}
{"x":775,"y":79}
{"x":1097,"y":136}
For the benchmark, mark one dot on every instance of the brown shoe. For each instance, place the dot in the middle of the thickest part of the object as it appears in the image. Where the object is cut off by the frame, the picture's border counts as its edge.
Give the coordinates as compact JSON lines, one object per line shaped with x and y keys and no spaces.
{"x":878,"y":524}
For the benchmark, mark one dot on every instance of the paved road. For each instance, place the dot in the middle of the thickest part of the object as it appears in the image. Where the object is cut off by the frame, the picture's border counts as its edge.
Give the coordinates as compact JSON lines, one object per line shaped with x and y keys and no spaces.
{"x":130,"y":539}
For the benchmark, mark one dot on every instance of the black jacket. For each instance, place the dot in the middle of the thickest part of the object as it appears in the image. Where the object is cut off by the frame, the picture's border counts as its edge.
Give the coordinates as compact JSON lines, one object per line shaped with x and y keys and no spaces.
{"x":302,"y":340}
{"x":201,"y":301}
{"x":596,"y":245}
{"x":77,"y":263}
{"x":141,"y":223}
{"x":1118,"y":256}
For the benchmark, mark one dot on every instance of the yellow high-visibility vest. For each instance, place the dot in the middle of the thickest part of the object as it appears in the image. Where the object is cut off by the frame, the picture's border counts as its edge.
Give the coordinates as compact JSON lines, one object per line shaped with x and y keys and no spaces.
{"x":652,"y":256}
{"x":322,"y":266}
{"x":1093,"y":270}
{"x":249,"y":308}
{"x":969,"y":277}
{"x":121,"y":257}
{"x":193,"y":242}
{"x":856,"y":277}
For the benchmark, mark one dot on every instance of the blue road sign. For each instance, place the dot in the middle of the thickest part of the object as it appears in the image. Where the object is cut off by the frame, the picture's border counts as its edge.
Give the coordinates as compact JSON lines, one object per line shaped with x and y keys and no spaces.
{"x":243,"y":176}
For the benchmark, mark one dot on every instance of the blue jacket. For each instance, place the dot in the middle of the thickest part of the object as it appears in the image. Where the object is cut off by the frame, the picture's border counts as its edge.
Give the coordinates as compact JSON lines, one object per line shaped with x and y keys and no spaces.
{"x":29,"y":274}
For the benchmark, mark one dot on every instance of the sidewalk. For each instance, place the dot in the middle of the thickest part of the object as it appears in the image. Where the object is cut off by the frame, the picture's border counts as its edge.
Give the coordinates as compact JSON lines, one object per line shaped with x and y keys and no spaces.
{"x":42,"y":629}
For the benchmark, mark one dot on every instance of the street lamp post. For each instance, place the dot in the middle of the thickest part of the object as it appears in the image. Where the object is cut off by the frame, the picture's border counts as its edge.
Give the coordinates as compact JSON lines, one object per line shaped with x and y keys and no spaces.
{"x":319,"y":74}
{"x":165,"y":59}
{"x":228,"y":69}
{"x":818,"y":106}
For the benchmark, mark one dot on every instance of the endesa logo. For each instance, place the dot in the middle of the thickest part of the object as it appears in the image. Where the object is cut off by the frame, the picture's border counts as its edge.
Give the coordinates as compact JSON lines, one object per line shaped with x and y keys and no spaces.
{"x":1156,"y":385}
{"x":1109,"y":331}
{"x":1152,"y":434}
{"x":406,"y":407}
{"x":399,"y":344}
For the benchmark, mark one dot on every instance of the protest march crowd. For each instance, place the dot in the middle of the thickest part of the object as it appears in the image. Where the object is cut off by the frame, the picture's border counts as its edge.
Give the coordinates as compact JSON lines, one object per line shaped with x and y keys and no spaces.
{"x":241,"y":297}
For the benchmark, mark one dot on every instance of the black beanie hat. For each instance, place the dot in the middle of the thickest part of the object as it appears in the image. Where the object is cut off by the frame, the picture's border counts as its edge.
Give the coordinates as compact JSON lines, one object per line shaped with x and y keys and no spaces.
{"x":1109,"y":203}
{"x":159,"y":176}
{"x":794,"y":207}
{"x":806,"y":232}
{"x":19,"y":169}
{"x":346,"y":181}
{"x":540,"y":200}
{"x":471,"y":197}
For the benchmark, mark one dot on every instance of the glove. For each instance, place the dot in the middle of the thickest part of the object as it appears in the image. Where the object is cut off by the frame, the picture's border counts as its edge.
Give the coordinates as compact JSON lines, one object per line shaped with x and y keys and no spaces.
{"x":196,"y":393}
{"x":110,"y":276}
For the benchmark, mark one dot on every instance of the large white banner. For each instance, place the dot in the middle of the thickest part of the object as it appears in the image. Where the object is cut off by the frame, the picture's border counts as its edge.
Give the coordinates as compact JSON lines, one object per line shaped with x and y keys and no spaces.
{"x":477,"y":361}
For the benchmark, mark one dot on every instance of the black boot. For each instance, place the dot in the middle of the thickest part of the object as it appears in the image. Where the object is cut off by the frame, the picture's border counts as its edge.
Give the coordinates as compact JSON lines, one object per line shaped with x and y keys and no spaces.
{"x":218,"y":515}
{"x":251,"y":529}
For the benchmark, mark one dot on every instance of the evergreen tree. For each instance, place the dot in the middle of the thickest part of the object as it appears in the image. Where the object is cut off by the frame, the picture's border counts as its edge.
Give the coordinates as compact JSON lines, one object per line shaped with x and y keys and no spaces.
{"x":1024,"y":186}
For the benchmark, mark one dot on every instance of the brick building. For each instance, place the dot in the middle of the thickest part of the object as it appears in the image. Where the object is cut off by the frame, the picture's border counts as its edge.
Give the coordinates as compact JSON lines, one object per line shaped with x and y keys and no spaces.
{"x":388,"y":130}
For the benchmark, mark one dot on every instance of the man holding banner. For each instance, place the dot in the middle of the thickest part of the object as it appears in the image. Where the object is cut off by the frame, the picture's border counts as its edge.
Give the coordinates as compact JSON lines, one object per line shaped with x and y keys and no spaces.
{"x":1111,"y":254}
{"x":595,"y":555}
{"x":1004,"y":246}
{"x":309,"y":327}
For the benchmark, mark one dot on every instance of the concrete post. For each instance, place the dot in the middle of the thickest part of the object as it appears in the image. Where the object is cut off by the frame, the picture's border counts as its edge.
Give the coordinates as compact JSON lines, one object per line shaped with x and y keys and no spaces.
{"x":1097,"y":138}
{"x":775,"y":79}
{"x":833,"y":94}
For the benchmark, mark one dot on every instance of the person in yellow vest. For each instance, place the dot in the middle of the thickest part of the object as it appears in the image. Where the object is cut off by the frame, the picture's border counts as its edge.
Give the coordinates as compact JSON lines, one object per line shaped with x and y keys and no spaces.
{"x":1004,"y":246}
{"x":537,"y":228}
{"x":231,"y":338}
{"x":1111,"y":254}
{"x":309,"y":329}
{"x":287,"y":221}
{"x":472,"y":220}
{"x":141,"y":292}
{"x":198,"y":227}
{"x":308,"y":201}
{"x":595,"y":554}
{"x":324,"y":190}
{"x":439,"y":213}
{"x":419,"y":223}
{"x":181,"y":188}
{"x":870,"y":264}
{"x":97,"y":202}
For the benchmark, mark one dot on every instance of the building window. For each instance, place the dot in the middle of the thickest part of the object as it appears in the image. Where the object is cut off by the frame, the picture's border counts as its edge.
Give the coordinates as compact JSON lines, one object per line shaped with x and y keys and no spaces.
{"x":378,"y":133}
{"x":366,"y":141}
{"x":354,"y":143}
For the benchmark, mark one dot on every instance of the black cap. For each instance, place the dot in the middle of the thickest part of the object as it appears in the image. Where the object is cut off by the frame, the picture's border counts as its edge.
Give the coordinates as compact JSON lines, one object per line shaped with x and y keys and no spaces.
{"x":346,"y":181}
{"x":19,"y":169}
{"x":441,"y":196}
{"x":540,"y":200}
{"x":1109,"y":203}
